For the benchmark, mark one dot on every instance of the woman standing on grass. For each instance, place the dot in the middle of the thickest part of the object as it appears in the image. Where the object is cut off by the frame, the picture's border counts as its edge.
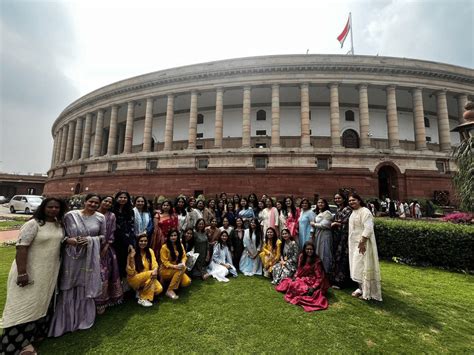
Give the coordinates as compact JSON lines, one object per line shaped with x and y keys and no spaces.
{"x":323,"y":234}
{"x":290,"y":216}
{"x":309,"y":286}
{"x":363,"y":256}
{"x":32,"y":279}
{"x":271,"y":251}
{"x":111,"y":287}
{"x":173,"y":264}
{"x":237,"y":240}
{"x":245,"y":212}
{"x":270,"y":217}
{"x":181,"y":213}
{"x":124,"y":235}
{"x":221,"y":264}
{"x":286,"y":266}
{"x":304,"y":222}
{"x":142,"y":271}
{"x":164,"y":221}
{"x":250,"y":264}
{"x":80,"y":280}
{"x":340,"y":231}
{"x":142,"y":217}
{"x":201,"y":246}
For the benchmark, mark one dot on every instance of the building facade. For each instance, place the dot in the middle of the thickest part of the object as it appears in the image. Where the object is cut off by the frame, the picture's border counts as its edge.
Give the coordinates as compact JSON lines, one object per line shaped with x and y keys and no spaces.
{"x":289,"y":124}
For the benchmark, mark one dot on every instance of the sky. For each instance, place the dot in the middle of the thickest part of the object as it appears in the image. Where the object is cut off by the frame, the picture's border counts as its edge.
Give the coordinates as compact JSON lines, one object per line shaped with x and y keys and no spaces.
{"x":53,"y":52}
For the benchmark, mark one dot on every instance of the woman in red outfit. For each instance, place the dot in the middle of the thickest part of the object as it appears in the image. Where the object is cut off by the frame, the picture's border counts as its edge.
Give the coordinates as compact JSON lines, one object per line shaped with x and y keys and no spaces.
{"x":163,"y":222}
{"x":309,"y":285}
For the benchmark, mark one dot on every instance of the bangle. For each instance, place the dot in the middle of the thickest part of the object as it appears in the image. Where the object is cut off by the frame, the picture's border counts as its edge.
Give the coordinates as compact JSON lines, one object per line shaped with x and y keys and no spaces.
{"x":22,"y":275}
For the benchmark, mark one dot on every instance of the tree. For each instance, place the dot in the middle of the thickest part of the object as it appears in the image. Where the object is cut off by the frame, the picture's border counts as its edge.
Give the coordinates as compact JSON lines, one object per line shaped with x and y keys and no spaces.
{"x":464,"y":177}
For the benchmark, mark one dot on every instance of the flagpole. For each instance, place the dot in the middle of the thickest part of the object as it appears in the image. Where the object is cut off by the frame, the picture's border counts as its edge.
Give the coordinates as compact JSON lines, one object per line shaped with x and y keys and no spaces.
{"x":352,"y":41}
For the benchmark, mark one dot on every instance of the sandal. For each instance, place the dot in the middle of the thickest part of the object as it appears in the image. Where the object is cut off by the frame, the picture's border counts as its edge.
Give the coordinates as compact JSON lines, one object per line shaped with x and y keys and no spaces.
{"x":357,"y":293}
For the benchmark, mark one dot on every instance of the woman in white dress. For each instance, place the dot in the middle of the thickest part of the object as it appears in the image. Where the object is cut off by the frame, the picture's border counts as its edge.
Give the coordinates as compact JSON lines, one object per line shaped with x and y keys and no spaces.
{"x":250,"y":263}
{"x":363,"y":257}
{"x":221,"y":264}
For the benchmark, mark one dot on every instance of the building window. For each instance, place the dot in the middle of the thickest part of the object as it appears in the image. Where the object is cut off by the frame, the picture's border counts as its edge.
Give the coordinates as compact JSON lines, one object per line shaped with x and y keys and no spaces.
{"x":322,"y":163}
{"x":350,"y":139}
{"x":202,"y":163}
{"x":260,"y":145}
{"x":428,"y":139}
{"x":261,"y":115}
{"x":152,"y":165}
{"x":199,"y":135}
{"x":310,"y":115}
{"x":441,"y":166}
{"x":427,"y":122}
{"x":31,"y":191}
{"x":199,"y":146}
{"x":349,"y":115}
{"x":200,"y":118}
{"x":112,"y":167}
{"x":261,"y":132}
{"x":261,"y":162}
{"x":310,"y":132}
{"x":83,"y":169}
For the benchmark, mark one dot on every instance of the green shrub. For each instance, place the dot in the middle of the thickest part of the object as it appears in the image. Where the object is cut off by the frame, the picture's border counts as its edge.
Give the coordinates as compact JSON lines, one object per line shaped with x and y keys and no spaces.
{"x":433,"y":243}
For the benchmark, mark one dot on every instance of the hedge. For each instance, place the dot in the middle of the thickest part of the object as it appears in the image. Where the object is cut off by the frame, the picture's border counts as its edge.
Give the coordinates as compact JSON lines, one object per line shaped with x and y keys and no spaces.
{"x":427,"y":243}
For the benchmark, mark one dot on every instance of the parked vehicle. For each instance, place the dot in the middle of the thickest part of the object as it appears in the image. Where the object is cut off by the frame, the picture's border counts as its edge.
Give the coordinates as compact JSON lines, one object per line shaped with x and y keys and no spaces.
{"x":25,"y":203}
{"x":3,"y":199}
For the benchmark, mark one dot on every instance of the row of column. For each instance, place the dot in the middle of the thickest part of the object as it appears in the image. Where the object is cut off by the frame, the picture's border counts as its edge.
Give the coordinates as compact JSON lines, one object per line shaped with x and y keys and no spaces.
{"x":73,"y":141}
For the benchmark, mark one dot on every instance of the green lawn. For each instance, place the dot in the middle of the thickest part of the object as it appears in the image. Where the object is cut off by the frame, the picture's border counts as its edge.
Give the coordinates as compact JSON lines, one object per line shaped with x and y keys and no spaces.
{"x":10,"y":224}
{"x":424,"y":311}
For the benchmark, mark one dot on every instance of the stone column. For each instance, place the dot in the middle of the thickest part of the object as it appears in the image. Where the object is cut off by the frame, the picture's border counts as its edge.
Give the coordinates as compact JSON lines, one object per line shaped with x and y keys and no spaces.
{"x":148,"y":126}
{"x":62,"y":153}
{"x":55,"y":148}
{"x":192,"y":121}
{"x":419,"y":119}
{"x":127,"y":148}
{"x":335,"y":131}
{"x":275,"y":116}
{"x":86,"y":144}
{"x":169,"y":123}
{"x":443,"y":121}
{"x":99,"y":133}
{"x":246,"y":117}
{"x":112,"y":143}
{"x":76,"y":153}
{"x":392,"y":117}
{"x":70,"y":140}
{"x":219,"y":125}
{"x":364,"y":121}
{"x":462,"y":100}
{"x":305,"y":122}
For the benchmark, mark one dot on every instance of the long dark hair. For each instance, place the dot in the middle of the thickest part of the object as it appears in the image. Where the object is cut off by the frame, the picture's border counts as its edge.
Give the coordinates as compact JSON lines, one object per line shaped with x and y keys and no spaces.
{"x":246,"y":205}
{"x":188,"y":245}
{"x":139,"y":267}
{"x":304,"y":258}
{"x":344,"y":199}
{"x":171,"y":211}
{"x":283,"y":241}
{"x":180,"y":211}
{"x":292,"y":207}
{"x":301,"y":203}
{"x":258,"y":231}
{"x":274,"y":239}
{"x":221,"y":242}
{"x":325,"y":208}
{"x":170,"y":246}
{"x":40,"y":215}
{"x":145,"y":206}
{"x":197,"y":223}
{"x":127,"y":210}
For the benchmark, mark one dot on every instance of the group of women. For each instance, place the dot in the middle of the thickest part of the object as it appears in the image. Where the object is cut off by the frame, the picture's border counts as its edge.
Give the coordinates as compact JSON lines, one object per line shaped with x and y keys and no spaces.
{"x":70,"y":266}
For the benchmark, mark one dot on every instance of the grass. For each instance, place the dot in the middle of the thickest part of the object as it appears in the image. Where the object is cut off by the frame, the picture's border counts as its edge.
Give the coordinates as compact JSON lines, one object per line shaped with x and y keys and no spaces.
{"x":425,"y":310}
{"x":10,"y":224}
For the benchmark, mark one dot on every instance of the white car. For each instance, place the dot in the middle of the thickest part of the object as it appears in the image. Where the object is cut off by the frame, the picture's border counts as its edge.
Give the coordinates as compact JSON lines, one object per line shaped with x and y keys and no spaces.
{"x":25,"y":203}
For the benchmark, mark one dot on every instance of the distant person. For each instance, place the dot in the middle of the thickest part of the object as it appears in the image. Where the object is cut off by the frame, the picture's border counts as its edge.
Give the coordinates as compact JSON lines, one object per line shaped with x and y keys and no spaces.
{"x":271,"y":251}
{"x":237,"y":241}
{"x":32,"y":279}
{"x":323,"y":234}
{"x":304,"y":223}
{"x":221,"y":264}
{"x":309,"y":285}
{"x":163,"y":221}
{"x":250,"y":263}
{"x":80,"y":282}
{"x":142,"y":217}
{"x":286,"y":265}
{"x":142,"y":271}
{"x":363,"y":256}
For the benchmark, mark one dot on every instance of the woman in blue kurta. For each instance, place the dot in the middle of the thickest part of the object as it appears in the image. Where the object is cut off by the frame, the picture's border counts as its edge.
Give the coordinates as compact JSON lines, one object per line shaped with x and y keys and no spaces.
{"x":306,"y":217}
{"x":250,"y":264}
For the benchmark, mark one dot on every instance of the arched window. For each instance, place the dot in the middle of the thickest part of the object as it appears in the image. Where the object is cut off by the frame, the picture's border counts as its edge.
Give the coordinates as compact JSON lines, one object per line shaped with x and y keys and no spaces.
{"x":261,"y":115}
{"x":350,"y":139}
{"x":349,"y":115}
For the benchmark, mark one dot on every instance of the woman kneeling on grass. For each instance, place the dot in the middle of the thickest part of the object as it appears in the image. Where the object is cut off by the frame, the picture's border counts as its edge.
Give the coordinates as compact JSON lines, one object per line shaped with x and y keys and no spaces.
{"x":142,"y":270}
{"x":173,"y":264}
{"x":309,"y":286}
{"x":270,"y":254}
{"x":221,"y":263}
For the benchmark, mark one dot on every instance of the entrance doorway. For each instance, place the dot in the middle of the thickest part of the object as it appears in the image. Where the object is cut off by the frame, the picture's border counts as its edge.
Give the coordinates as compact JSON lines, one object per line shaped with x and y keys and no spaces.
{"x":350,"y":139}
{"x":388,"y":182}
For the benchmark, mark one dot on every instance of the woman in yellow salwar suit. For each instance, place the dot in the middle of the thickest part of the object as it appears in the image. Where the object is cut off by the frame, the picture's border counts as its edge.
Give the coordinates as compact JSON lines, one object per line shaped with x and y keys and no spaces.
{"x":271,"y":252}
{"x":142,"y":272}
{"x":173,"y":264}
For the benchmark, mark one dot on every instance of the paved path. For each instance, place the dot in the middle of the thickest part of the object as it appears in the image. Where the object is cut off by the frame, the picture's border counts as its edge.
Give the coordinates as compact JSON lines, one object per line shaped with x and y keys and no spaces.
{"x":8,"y":235}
